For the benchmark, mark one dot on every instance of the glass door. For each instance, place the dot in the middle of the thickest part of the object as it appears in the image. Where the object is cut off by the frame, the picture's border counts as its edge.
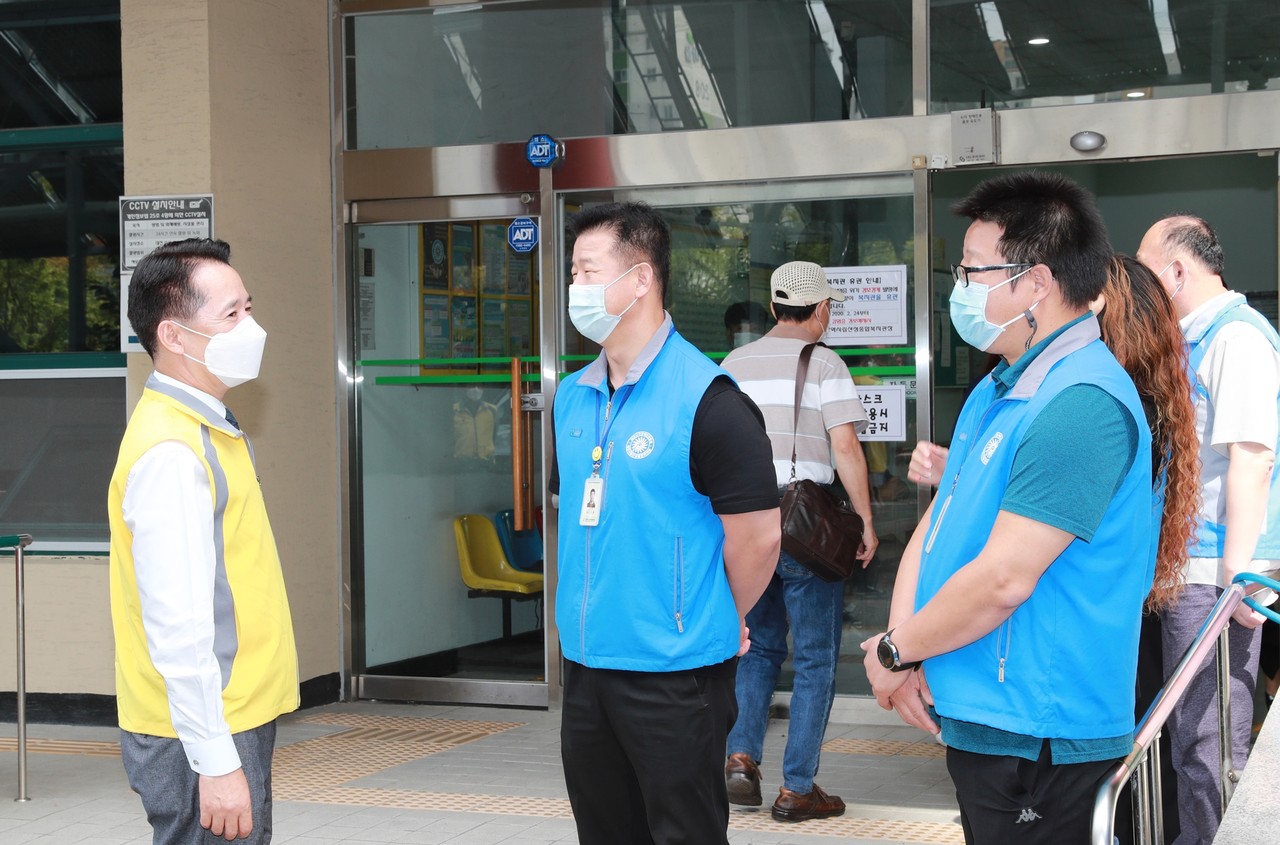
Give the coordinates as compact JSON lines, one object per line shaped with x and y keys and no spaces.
{"x":726,"y":242}
{"x":448,"y":583}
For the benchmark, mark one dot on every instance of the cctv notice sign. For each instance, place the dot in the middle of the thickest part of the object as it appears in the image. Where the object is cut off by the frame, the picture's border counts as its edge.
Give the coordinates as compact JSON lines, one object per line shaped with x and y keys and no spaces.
{"x":148,"y":222}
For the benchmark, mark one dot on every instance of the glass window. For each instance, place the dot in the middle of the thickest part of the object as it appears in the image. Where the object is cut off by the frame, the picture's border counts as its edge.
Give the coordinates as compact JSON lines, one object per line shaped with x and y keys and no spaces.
{"x":482,"y":74}
{"x":1044,"y":53}
{"x":59,"y":249}
{"x":60,"y":441}
{"x":61,"y":172}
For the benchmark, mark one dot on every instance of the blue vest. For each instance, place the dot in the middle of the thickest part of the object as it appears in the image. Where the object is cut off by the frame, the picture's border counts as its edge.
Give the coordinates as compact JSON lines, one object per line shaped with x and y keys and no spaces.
{"x":1211,"y":536}
{"x":1063,"y":665}
{"x":646,"y":589}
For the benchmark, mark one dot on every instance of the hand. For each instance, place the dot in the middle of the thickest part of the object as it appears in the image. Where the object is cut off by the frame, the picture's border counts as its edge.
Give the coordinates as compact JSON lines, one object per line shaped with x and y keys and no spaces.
{"x":912,"y":700}
{"x":1246,"y":616}
{"x":869,"y":543}
{"x":884,"y":683}
{"x":225,"y":808}
{"x":744,"y":639}
{"x":927,"y":462}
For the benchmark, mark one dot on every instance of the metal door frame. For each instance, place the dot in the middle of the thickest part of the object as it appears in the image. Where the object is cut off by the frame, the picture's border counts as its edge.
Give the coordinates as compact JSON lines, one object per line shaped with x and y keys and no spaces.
{"x":404,"y":688}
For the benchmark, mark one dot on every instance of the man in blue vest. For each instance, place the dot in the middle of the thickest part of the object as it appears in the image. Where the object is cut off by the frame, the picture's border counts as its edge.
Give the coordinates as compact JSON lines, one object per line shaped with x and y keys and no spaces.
{"x":1233,"y":353}
{"x":668,"y":533}
{"x":1016,"y":609}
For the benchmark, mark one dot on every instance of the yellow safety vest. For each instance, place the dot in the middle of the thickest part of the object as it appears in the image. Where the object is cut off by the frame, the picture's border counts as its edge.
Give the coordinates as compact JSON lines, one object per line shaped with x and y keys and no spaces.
{"x":253,"y":628}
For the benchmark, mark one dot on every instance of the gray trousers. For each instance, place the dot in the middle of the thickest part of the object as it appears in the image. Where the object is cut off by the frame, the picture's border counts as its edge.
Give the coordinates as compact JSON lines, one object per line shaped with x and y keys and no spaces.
{"x":1193,"y":725}
{"x":158,"y":771}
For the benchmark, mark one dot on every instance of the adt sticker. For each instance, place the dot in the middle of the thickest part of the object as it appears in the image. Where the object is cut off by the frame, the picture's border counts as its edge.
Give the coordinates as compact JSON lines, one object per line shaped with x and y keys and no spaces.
{"x":542,"y":150}
{"x":522,"y":234}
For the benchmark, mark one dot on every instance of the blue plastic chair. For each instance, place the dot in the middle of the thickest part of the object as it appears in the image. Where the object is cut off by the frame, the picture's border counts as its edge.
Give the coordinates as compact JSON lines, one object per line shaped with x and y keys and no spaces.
{"x":523,"y":548}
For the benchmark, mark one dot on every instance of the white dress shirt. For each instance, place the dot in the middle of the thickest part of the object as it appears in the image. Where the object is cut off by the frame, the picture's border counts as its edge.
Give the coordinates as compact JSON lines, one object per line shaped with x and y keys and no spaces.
{"x":168,"y":508}
{"x":1241,"y":373}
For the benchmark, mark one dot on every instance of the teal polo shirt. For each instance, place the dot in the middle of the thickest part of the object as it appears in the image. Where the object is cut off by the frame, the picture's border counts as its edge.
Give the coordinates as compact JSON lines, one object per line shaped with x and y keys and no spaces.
{"x":1050,"y":484}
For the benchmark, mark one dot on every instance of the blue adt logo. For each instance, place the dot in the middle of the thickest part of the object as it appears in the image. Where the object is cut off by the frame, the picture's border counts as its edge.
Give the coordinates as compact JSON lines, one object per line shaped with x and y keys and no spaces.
{"x":522,"y":234}
{"x":542,"y":151}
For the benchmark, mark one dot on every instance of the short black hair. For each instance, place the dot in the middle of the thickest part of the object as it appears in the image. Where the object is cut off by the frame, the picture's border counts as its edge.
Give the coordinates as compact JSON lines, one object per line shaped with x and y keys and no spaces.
{"x":1047,"y":219}
{"x":1194,"y":235}
{"x":643,"y":236}
{"x":793,"y":313}
{"x":161,"y":286}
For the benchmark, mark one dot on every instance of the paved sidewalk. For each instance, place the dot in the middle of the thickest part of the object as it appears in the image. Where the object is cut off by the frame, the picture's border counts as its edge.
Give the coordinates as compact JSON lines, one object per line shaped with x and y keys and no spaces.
{"x":377,"y":772}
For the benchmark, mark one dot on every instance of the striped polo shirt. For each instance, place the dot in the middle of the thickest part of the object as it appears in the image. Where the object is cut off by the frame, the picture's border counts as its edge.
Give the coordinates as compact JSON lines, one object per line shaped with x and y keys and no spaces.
{"x":766,"y":371}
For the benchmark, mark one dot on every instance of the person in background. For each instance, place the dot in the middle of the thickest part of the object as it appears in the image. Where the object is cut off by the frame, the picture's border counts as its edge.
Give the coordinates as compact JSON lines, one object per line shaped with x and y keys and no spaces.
{"x":657,"y":579}
{"x":1031,"y":701}
{"x":474,"y":426}
{"x":205,"y":655}
{"x":744,"y":322}
{"x":1234,"y":353}
{"x":825,"y":443}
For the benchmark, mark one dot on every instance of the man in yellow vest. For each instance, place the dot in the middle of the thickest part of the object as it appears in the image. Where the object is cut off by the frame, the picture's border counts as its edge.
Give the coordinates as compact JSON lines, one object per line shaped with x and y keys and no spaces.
{"x":205,"y":656}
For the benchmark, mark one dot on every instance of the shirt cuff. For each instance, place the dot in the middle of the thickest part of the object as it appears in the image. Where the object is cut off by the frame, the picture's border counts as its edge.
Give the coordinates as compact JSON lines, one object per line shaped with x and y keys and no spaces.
{"x":213,"y":757}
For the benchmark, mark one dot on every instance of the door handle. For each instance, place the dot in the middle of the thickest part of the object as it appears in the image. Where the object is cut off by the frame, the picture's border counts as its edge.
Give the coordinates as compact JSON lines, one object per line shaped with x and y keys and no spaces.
{"x":522,"y":449}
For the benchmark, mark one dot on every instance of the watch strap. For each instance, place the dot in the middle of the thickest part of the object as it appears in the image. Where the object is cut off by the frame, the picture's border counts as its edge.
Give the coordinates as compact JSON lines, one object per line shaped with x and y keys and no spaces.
{"x":898,"y":665}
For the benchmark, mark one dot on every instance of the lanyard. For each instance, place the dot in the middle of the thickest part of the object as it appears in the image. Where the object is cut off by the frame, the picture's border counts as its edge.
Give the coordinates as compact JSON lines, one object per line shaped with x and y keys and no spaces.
{"x":622,"y":394}
{"x":610,"y":414}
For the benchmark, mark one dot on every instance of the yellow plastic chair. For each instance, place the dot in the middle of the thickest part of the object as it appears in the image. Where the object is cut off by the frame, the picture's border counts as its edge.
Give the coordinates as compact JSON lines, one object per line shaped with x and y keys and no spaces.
{"x":485,"y":569}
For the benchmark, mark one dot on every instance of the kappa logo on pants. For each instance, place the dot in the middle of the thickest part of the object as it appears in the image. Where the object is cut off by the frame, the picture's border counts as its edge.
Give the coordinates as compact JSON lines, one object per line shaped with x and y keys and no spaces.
{"x":1028,"y":815}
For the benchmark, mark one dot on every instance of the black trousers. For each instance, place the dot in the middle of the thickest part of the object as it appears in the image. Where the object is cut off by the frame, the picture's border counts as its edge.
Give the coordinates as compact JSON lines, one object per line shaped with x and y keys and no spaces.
{"x":1010,"y":799}
{"x":644,"y":754}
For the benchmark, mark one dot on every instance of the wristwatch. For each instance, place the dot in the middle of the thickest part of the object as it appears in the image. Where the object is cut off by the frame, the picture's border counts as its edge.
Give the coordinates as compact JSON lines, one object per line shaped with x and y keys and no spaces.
{"x":887,"y":652}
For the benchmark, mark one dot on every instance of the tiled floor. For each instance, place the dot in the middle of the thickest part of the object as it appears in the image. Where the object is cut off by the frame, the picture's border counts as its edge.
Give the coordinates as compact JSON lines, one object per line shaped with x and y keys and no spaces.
{"x":373,"y":772}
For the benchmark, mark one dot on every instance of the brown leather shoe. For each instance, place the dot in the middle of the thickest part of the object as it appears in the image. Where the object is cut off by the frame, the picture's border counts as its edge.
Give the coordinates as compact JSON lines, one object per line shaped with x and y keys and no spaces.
{"x":742,"y":779}
{"x":794,"y":807}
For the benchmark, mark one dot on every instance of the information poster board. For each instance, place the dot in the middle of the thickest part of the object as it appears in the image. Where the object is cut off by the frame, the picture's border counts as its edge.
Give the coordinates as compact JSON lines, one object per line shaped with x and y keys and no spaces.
{"x":148,"y":222}
{"x":886,"y":407}
{"x":477,"y":295}
{"x":493,"y":328}
{"x":435,"y":326}
{"x":463,"y":326}
{"x":493,"y":258}
{"x":462,"y":255}
{"x":520,"y":328}
{"x":874,"y":311}
{"x":433,"y":255}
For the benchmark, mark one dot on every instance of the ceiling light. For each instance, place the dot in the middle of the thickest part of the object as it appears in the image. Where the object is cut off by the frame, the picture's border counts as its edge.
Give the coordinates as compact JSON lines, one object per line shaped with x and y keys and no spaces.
{"x":1136,"y":95}
{"x":1036,"y":42}
{"x":1088,"y":141}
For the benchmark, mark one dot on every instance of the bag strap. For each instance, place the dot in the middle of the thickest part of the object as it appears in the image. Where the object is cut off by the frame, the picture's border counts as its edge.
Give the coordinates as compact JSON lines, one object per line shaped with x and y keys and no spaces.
{"x":802,"y":373}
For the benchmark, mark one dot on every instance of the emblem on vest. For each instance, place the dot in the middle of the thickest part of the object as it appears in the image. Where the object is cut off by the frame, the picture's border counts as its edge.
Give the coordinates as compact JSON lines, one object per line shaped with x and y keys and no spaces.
{"x":640,"y":445}
{"x":990,"y":448}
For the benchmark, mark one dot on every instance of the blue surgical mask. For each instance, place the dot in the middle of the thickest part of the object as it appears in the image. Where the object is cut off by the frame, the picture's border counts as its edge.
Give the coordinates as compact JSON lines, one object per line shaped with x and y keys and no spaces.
{"x":969,"y":313}
{"x":587,"y":311}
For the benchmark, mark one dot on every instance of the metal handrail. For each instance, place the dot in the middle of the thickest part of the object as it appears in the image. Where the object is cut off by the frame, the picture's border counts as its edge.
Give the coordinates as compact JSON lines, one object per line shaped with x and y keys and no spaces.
{"x":1143,"y":761}
{"x":19,"y":542}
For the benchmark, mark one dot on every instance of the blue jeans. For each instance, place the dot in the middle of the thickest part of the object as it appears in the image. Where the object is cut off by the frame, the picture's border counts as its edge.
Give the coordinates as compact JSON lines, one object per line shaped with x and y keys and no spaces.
{"x":815,"y":610}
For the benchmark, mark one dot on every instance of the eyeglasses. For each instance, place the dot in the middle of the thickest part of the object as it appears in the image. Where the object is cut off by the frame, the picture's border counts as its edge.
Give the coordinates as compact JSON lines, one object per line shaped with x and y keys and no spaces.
{"x":960,"y":273}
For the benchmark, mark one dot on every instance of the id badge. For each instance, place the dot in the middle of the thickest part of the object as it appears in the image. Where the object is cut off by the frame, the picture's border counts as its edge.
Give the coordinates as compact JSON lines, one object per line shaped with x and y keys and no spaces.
{"x":592,"y":500}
